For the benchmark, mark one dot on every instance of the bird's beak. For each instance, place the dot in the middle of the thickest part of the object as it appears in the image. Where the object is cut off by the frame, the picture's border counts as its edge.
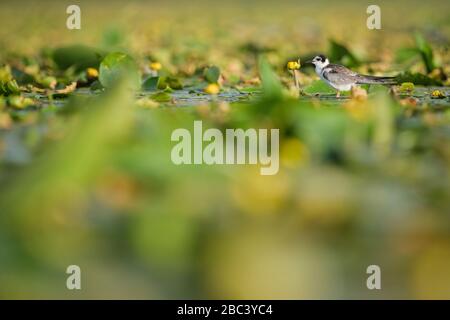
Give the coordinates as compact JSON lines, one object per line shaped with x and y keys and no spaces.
{"x":309,"y":61}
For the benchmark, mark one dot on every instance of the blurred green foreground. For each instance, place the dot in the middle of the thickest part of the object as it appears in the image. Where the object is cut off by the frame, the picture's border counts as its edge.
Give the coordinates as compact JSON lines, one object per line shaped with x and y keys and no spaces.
{"x":91,"y":184}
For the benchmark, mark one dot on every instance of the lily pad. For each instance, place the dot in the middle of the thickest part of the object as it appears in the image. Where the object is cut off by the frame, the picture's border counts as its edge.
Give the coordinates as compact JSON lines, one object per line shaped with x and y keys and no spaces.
{"x":169,"y":82}
{"x":161,"y":97}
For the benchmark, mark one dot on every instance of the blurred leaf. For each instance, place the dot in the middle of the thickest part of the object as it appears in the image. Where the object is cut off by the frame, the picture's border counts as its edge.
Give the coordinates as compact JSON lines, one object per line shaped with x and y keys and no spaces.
{"x":69,"y":162}
{"x":212,"y":74}
{"x":169,"y":82}
{"x":338,"y":53}
{"x":150,"y":84}
{"x":152,"y":243}
{"x":116,"y":65}
{"x":79,"y":56}
{"x":426,"y":52}
{"x":271,"y":85}
{"x":161,"y":97}
{"x":10,"y":87}
{"x":405,"y":54}
{"x":113,"y":39}
{"x":5,"y":74}
{"x":318,"y":86}
{"x":384,"y":126}
{"x":417,"y":79}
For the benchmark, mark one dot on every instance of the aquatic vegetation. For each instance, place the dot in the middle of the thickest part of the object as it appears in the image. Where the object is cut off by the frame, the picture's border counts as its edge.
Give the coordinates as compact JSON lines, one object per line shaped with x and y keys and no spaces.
{"x":86,"y":177}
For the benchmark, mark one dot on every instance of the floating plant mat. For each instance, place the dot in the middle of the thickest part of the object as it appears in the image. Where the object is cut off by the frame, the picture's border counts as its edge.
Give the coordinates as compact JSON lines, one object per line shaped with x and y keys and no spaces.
{"x":189,"y":97}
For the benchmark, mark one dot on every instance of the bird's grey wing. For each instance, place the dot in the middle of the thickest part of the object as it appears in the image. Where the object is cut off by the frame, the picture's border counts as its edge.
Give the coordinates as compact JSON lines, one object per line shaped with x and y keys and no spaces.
{"x":338,"y":74}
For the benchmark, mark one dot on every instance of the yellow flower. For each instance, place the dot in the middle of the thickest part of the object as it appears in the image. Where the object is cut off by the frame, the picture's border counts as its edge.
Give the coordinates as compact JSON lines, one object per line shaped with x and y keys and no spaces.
{"x":437,"y":94}
{"x":212,"y":88}
{"x":92,"y":73}
{"x":155,"y":66}
{"x":293,"y":65}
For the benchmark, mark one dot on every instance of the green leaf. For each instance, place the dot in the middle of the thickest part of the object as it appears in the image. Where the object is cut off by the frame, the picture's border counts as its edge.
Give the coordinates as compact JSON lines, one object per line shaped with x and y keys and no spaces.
{"x":174,"y":83}
{"x":212,"y":74}
{"x":406,"y":54}
{"x":271,"y":85}
{"x":161,"y":97}
{"x":339,"y":53}
{"x":69,"y":162}
{"x":417,"y":79}
{"x":12,"y":87}
{"x":150,"y":84}
{"x":78,"y":56}
{"x":115,"y":66}
{"x":166,"y":82}
{"x":426,"y":52}
{"x":318,"y":86}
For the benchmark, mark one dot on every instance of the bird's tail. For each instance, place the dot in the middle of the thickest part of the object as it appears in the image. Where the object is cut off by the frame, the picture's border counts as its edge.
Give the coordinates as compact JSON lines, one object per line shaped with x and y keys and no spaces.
{"x":365,"y":79}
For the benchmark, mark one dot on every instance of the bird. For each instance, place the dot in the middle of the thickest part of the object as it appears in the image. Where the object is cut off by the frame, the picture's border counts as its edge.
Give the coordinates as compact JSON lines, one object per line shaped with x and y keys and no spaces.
{"x":342,"y":78}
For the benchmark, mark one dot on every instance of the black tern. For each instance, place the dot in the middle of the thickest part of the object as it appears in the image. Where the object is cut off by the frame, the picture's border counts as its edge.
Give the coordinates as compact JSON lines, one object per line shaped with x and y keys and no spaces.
{"x":342,"y":78}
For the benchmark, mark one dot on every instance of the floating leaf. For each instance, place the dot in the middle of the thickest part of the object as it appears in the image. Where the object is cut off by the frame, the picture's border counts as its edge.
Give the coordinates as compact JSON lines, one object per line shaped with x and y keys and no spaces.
{"x":161,"y":97}
{"x":169,"y":82}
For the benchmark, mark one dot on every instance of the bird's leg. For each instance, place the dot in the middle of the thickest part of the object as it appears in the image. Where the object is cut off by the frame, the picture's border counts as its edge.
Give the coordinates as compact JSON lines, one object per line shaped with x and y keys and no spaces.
{"x":338,"y":94}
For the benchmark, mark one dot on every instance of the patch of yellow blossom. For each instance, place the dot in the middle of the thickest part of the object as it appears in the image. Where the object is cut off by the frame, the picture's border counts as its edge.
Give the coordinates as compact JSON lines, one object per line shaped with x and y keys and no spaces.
{"x":155,"y":66}
{"x":437,"y":94}
{"x":293,"y":65}
{"x":212,"y":88}
{"x":92,"y":73}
